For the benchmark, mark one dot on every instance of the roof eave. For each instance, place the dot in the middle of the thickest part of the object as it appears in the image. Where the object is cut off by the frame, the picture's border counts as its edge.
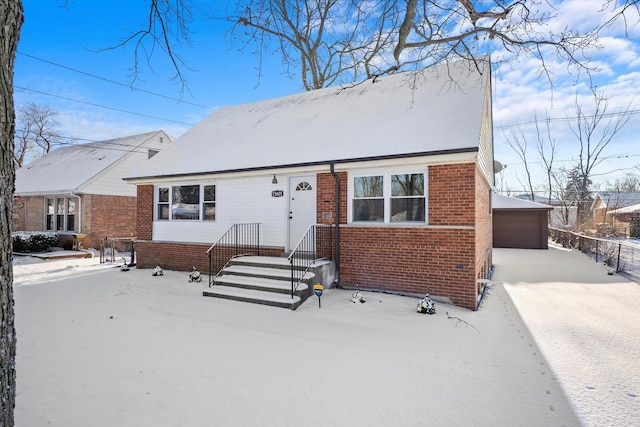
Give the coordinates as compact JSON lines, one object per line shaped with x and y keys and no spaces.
{"x":307,"y":164}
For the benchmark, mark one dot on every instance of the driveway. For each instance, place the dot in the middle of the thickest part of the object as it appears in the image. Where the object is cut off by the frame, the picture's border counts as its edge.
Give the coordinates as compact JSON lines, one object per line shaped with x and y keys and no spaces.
{"x":587,"y":324}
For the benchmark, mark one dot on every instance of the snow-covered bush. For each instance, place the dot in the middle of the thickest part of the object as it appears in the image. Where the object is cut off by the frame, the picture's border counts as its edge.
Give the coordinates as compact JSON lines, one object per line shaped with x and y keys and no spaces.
{"x":33,"y":241}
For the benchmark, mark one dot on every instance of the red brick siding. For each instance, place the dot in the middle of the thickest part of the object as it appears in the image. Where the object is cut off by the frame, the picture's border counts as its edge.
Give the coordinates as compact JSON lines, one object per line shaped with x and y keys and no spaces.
{"x":112,"y":216}
{"x":452,"y":194}
{"x":144,"y":221}
{"x":410,"y":260}
{"x":325,"y":198}
{"x":484,"y":227}
{"x":180,"y":256}
{"x":28,"y":213}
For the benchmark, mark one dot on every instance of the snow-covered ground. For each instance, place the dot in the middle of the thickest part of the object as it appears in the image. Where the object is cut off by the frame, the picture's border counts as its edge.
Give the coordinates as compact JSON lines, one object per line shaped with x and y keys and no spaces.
{"x":101,"y":347}
{"x":587,"y":324}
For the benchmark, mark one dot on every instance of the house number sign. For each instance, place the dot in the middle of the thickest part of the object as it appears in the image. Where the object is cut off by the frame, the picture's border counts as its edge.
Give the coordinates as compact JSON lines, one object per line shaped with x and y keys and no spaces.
{"x":277,"y":193}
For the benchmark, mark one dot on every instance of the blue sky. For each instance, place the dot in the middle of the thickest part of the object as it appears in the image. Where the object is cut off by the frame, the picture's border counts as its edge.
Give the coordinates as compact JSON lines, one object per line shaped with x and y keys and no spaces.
{"x":56,"y":39}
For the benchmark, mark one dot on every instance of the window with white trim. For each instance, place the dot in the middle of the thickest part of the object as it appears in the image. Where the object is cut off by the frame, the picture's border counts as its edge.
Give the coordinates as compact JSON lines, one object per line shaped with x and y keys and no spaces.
{"x":389,"y":198}
{"x":60,"y":214}
{"x":192,"y":202}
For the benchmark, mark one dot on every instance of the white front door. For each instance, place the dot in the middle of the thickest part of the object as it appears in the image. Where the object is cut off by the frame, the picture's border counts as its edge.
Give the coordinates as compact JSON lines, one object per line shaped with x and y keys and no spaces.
{"x":302,"y":207}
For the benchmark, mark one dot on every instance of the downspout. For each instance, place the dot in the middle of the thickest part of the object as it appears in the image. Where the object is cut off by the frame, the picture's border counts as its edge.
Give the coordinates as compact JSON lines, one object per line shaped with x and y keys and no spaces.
{"x":337,"y":215}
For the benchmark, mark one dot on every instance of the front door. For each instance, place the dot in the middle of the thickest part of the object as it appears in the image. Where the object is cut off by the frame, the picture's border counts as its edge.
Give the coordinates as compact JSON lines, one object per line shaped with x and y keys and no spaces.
{"x":302,"y":207}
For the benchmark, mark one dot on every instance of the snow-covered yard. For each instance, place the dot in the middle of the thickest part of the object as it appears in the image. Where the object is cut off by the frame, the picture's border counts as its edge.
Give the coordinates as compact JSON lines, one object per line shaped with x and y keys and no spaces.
{"x":101,"y":347}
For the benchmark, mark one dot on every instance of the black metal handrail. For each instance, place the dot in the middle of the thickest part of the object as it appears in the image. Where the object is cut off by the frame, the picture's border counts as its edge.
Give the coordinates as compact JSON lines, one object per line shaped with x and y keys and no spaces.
{"x":316,"y":244}
{"x":240,"y":239}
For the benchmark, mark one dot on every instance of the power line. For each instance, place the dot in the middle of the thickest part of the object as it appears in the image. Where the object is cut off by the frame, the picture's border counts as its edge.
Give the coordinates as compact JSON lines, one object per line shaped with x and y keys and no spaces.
{"x":566,"y":119}
{"x":25,"y":90}
{"x":112,"y":81}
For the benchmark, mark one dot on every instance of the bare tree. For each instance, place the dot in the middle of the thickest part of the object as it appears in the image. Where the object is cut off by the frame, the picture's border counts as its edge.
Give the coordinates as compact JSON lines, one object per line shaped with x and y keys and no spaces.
{"x":547,"y":149}
{"x":594,"y":130}
{"x":518,"y":142}
{"x":36,"y":132}
{"x":166,"y":27}
{"x":343,"y":40}
{"x":11,"y":19}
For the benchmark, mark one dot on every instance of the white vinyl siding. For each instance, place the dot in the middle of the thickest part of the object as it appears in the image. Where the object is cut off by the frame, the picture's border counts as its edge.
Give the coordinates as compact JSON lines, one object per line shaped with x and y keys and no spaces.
{"x":110,"y":181}
{"x":240,"y":200}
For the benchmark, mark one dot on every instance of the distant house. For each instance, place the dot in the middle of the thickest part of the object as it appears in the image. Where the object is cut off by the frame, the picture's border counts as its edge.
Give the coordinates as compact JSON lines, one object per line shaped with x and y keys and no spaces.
{"x":402,"y":164}
{"x":79,"y":189}
{"x":519,"y":223}
{"x":606,"y":202}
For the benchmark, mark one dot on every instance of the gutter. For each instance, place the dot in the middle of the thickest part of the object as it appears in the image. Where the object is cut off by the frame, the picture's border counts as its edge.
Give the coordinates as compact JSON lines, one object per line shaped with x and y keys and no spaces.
{"x":337,"y":215}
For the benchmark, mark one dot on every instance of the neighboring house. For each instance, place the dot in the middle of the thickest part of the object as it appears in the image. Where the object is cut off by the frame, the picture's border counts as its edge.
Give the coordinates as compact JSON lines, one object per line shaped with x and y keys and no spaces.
{"x":607,"y":201}
{"x":519,"y":223}
{"x":79,"y":189}
{"x":404,"y":164}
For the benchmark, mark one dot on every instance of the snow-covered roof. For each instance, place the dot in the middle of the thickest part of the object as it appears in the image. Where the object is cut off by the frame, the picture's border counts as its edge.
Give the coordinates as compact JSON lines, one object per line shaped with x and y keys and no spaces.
{"x":405,"y":114}
{"x":626,"y":210}
{"x":66,"y":169}
{"x":614,"y":199}
{"x":500,"y":202}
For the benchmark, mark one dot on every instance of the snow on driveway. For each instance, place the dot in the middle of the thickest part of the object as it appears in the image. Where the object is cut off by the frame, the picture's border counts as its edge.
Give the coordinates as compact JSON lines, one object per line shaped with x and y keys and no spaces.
{"x":587,"y":324}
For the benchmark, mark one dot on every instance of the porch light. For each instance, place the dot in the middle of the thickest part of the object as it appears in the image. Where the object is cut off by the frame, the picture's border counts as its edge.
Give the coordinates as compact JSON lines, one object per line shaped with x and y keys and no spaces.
{"x":274,"y":180}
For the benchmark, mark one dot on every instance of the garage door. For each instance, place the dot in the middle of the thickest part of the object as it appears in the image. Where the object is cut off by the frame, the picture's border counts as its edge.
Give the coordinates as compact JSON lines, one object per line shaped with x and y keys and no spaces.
{"x":520,"y":229}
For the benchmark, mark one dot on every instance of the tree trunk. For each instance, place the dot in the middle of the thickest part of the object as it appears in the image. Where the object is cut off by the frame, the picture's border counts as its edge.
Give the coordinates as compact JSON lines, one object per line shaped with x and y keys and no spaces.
{"x":10,"y":23}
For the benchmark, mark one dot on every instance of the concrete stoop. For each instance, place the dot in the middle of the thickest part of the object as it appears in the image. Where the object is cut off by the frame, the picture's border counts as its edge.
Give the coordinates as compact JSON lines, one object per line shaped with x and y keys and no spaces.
{"x":266,"y":280}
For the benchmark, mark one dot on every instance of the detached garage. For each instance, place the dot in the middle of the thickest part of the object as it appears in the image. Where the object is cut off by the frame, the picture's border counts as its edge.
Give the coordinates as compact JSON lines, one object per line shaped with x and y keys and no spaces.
{"x":519,"y":223}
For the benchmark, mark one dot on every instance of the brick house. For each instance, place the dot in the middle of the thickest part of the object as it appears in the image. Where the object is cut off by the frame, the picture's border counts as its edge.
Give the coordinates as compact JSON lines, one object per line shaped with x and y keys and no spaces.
{"x":404,"y":164}
{"x":79,"y":189}
{"x":605,"y":202}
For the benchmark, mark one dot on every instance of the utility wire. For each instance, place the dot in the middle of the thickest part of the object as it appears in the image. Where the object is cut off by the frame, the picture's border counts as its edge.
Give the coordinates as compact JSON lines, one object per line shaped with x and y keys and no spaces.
{"x":566,"y":119}
{"x":25,"y":90}
{"x":131,"y":87}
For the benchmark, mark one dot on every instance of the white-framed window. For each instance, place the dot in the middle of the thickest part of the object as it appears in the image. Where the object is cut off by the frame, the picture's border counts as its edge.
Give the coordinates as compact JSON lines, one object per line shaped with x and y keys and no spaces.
{"x":60,"y":214}
{"x":191,"y":202}
{"x":388,"y":197}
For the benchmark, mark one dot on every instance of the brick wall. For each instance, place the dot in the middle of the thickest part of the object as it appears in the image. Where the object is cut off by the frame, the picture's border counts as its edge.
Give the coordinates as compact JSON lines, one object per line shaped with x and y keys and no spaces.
{"x":410,"y":260}
{"x":444,"y":262}
{"x":452,"y":192}
{"x":180,"y":256}
{"x":325,"y":198}
{"x":111,"y":216}
{"x":28,"y":213}
{"x":144,"y":220}
{"x":484,"y":228}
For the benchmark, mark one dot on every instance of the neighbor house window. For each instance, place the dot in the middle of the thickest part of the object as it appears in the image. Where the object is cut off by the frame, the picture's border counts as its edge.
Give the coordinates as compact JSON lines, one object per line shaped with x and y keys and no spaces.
{"x":389,"y":198}
{"x":71,"y":214}
{"x":49,"y":215}
{"x":186,"y":202}
{"x":60,"y":214}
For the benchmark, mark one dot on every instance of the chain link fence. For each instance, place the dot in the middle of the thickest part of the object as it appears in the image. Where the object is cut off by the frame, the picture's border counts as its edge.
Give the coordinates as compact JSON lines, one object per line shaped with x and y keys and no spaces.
{"x":622,"y":257}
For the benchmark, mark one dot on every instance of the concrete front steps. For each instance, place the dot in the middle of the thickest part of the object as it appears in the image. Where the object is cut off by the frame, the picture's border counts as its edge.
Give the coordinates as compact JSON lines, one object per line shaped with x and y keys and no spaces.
{"x":261,"y":280}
